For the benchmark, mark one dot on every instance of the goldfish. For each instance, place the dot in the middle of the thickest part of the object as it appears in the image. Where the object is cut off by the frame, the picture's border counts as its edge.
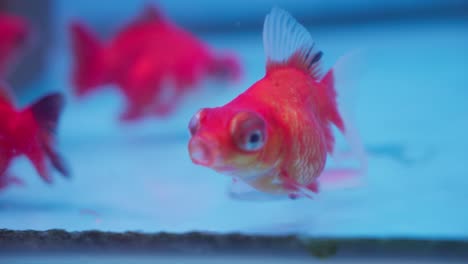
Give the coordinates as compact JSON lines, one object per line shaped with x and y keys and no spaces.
{"x":30,"y":132}
{"x":276,"y":135}
{"x":152,"y":61}
{"x":16,"y":34}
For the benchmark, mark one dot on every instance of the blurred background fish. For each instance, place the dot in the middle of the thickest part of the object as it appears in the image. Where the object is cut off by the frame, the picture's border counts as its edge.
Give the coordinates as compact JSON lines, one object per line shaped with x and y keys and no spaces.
{"x":30,"y":132}
{"x":152,"y":61}
{"x":15,"y":33}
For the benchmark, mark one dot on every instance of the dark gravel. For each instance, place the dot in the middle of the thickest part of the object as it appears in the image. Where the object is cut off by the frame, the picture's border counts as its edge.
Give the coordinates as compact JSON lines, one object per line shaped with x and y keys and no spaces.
{"x":60,"y":241}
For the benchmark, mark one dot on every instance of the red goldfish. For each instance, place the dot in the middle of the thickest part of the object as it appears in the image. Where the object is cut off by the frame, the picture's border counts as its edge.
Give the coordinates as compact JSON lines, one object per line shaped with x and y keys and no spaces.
{"x":275,"y":136}
{"x":152,"y":61}
{"x":15,"y":34}
{"x":29,"y":132}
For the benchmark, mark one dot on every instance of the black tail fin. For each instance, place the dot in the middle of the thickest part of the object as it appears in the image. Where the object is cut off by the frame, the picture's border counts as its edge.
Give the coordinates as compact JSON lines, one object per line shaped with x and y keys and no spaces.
{"x":47,"y":112}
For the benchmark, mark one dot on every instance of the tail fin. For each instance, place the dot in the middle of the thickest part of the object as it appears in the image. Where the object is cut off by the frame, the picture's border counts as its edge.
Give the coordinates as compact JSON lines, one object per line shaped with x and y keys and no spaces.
{"x":46,"y":112}
{"x":89,"y":70}
{"x":340,"y":83}
{"x":329,"y":108}
{"x":347,"y":70}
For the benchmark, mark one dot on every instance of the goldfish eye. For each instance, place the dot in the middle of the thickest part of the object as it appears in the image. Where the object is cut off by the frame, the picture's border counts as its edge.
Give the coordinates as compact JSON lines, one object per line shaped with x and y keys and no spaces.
{"x":194,"y":123}
{"x":248,"y":131}
{"x":254,"y":141}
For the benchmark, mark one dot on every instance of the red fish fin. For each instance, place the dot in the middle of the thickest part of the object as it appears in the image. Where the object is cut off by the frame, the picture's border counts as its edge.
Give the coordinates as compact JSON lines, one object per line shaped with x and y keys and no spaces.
{"x":89,"y":70}
{"x":329,"y":109}
{"x":151,"y":13}
{"x":332,"y":111}
{"x":313,"y":187}
{"x":46,"y":113}
{"x":286,"y":42}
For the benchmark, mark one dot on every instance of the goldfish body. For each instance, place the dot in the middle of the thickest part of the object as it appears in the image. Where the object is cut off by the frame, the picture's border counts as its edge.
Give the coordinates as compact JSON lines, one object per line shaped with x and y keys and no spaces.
{"x":29,"y":132}
{"x":276,"y":135}
{"x":15,"y":33}
{"x":152,"y":61}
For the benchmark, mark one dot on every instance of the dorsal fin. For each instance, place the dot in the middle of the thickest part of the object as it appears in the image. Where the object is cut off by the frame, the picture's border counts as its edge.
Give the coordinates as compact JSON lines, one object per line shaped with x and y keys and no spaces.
{"x":286,"y":42}
{"x":150,"y":13}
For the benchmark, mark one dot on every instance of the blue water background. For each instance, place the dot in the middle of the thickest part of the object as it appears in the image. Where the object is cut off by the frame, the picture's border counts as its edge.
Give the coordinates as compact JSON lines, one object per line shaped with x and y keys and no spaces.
{"x":412,"y":114}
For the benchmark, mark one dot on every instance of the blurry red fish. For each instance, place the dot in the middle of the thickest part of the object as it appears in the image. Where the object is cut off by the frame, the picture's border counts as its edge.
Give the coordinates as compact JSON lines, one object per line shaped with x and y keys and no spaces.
{"x":152,"y":61}
{"x":15,"y":34}
{"x":275,"y":136}
{"x":30,"y":132}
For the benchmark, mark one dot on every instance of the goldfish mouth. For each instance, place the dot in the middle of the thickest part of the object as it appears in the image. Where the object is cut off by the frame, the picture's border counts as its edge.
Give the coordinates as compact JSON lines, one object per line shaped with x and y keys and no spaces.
{"x":202,"y":152}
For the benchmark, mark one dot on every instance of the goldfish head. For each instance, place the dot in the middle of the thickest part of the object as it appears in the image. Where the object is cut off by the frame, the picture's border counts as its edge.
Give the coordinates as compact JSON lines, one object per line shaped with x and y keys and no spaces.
{"x":15,"y":36}
{"x":237,"y":143}
{"x":226,"y":67}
